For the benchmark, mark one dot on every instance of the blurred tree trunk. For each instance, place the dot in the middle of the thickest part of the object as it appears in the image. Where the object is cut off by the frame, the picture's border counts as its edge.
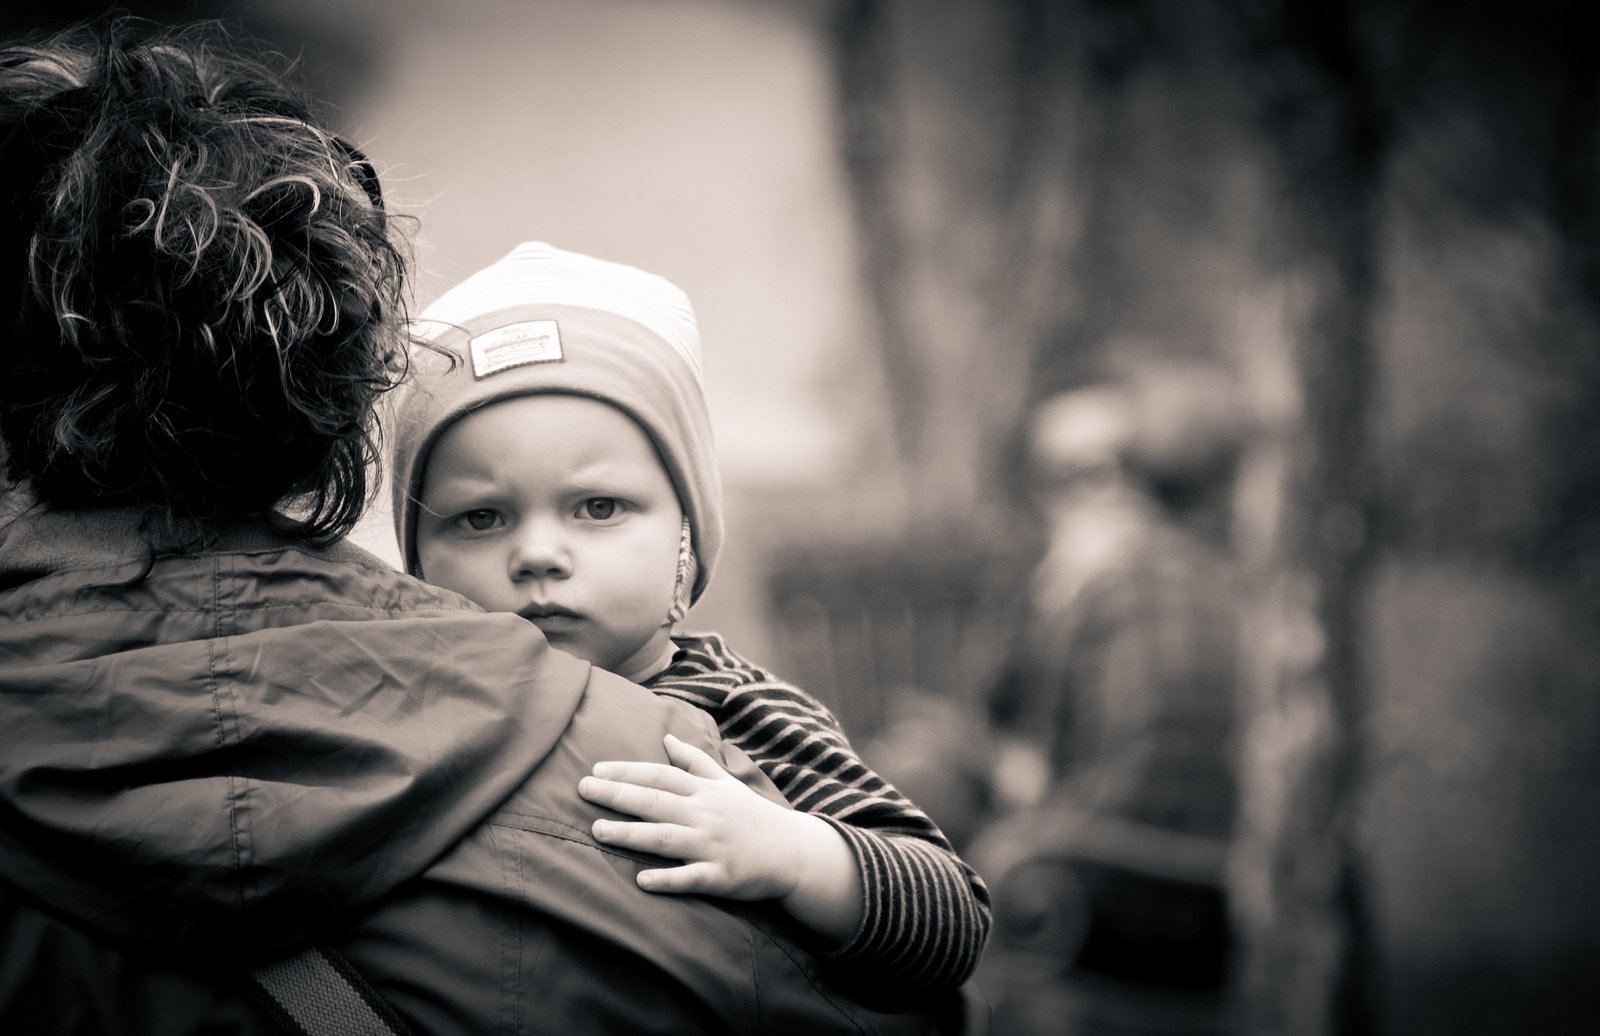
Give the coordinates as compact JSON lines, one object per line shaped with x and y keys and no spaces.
{"x":1414,"y":856}
{"x":1036,"y":184}
{"x":1300,"y":895}
{"x":1483,"y":838}
{"x":961,"y":131}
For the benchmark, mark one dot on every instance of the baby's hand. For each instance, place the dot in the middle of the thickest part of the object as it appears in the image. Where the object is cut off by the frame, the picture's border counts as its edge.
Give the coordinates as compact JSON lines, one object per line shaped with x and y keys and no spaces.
{"x":736,"y":843}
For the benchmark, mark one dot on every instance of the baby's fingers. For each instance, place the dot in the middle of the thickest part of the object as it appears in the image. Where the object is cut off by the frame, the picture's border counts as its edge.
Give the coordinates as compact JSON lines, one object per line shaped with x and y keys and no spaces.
{"x":669,"y":840}
{"x":647,"y":775}
{"x":644,"y":802}
{"x":703,"y":877}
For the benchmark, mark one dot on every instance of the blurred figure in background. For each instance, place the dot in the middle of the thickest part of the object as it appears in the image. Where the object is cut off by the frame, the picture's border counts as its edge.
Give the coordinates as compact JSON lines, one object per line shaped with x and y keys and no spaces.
{"x":1115,"y":718}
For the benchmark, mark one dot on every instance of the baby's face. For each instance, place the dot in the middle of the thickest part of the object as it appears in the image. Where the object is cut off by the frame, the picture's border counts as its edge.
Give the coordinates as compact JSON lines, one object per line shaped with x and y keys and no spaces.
{"x":557,"y":508}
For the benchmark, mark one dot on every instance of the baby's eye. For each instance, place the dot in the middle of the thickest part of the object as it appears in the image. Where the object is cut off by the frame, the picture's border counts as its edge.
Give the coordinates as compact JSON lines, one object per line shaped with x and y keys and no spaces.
{"x":480,"y":519}
{"x":599,"y":508}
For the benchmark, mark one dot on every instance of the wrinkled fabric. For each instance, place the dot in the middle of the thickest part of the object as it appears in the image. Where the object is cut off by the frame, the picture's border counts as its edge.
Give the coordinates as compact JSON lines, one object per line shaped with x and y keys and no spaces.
{"x":209,"y":759}
{"x":195,"y":759}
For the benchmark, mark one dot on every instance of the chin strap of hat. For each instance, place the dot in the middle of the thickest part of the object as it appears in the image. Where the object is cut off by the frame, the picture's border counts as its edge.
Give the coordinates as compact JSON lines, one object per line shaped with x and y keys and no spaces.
{"x":688,"y":568}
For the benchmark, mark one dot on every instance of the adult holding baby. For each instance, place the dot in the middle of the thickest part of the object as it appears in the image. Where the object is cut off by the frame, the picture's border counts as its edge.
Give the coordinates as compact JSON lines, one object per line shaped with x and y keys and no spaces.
{"x":230,"y":735}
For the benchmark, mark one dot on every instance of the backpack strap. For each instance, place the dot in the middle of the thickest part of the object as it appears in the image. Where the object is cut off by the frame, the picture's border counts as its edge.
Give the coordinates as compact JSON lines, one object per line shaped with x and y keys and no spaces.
{"x":316,"y":992}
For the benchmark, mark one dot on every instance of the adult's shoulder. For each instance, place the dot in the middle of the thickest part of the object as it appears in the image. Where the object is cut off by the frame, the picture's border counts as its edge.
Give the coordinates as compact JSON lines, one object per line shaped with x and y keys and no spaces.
{"x":343,"y":572}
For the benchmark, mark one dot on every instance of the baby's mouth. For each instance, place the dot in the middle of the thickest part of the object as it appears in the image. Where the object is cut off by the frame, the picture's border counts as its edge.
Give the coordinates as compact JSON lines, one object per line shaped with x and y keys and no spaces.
{"x":553,"y":614}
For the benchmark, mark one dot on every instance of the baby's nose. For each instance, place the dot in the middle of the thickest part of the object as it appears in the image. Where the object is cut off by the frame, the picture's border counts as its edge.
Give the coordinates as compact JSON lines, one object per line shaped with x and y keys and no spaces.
{"x":540,"y":552}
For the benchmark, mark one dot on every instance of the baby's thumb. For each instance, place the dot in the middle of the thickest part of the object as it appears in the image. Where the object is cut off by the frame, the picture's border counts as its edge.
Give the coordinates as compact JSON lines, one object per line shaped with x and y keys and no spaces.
{"x":687,"y":757}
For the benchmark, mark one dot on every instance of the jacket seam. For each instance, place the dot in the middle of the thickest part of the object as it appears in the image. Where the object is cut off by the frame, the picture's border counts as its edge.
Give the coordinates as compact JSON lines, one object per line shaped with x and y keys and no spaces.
{"x":537,"y":824}
{"x":510,"y":954}
{"x":800,"y":966}
{"x":320,"y":603}
{"x":215,"y":645}
{"x":755,"y":972}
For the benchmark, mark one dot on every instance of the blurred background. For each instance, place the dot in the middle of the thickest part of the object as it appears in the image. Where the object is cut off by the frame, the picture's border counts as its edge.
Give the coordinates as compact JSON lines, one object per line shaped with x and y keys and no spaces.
{"x":1166,"y":434}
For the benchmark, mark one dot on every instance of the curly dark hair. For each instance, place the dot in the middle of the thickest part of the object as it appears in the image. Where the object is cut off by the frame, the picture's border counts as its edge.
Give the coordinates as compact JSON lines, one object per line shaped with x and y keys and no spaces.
{"x":201,"y":294}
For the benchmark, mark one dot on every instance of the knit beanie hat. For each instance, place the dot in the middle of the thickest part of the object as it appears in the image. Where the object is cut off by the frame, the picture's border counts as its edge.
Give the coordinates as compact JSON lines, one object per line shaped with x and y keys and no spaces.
{"x":543,"y":320}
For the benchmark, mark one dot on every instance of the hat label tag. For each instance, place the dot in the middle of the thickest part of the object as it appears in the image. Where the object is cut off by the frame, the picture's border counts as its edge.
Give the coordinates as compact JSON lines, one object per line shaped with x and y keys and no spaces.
{"x":531,"y":341}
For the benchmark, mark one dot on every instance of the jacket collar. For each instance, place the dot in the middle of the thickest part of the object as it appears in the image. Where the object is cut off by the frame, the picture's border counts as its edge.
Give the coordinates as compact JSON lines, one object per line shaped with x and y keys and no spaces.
{"x":36,"y":540}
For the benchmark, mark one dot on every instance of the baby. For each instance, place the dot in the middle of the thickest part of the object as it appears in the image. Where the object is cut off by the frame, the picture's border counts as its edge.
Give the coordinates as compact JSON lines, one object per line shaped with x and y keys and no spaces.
{"x":554,"y":459}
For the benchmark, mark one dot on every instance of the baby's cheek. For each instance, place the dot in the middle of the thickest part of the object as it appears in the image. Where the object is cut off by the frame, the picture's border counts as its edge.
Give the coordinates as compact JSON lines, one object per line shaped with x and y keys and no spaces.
{"x":442,"y":568}
{"x":432,"y":568}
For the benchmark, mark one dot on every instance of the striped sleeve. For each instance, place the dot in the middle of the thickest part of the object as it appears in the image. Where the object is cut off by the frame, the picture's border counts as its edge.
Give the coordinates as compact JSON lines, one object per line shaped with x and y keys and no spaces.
{"x":926,"y":915}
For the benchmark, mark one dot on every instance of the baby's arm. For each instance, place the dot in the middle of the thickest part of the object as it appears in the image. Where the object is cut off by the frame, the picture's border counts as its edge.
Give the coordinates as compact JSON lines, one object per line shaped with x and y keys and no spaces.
{"x":924,"y":913}
{"x":737,"y":843}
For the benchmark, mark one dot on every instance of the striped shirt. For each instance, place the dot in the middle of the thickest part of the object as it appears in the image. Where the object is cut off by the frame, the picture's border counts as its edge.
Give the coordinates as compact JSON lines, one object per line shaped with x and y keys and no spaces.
{"x":926,"y":913}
